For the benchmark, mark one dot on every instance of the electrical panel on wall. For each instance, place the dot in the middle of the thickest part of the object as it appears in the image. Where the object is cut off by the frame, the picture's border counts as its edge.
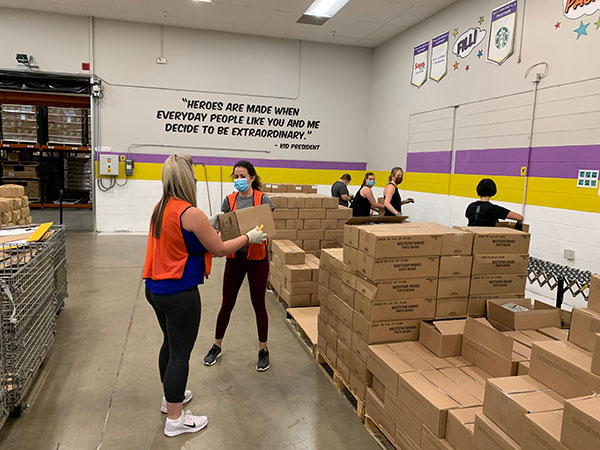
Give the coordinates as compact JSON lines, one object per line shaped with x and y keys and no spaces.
{"x":109,"y":165}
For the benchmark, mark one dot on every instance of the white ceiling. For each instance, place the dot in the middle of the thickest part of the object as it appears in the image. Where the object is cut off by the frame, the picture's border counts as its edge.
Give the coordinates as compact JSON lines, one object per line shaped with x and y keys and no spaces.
{"x":364,"y":23}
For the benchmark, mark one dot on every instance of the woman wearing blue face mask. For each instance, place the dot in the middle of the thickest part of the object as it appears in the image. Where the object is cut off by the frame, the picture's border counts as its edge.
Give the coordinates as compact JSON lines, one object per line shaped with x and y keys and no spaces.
{"x":364,"y":200}
{"x":251,"y":260}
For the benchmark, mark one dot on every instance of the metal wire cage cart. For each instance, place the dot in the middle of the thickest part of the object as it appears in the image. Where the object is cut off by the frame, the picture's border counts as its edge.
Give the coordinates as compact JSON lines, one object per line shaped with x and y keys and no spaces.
{"x":32,"y":290}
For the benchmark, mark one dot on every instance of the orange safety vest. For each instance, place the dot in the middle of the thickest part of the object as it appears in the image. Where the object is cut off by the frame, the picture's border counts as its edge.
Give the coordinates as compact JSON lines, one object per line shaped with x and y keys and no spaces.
{"x":256,"y":252}
{"x":167,"y":256}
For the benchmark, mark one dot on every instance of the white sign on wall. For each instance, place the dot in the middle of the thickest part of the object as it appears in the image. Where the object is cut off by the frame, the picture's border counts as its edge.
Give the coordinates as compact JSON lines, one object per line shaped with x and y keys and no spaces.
{"x":467,"y":42}
{"x":419,"y":69}
{"x":574,"y":9}
{"x":502,"y":32}
{"x":587,"y":178}
{"x":439,"y":57}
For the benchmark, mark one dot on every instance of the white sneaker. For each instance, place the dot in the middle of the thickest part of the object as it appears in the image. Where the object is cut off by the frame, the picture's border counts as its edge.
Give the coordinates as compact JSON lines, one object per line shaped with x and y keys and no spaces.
{"x":186,"y":398}
{"x":187,"y":423}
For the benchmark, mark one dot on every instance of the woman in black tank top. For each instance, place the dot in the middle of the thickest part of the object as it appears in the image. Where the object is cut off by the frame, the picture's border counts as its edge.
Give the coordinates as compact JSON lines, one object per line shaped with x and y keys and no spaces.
{"x":393,"y":203}
{"x":364,"y":200}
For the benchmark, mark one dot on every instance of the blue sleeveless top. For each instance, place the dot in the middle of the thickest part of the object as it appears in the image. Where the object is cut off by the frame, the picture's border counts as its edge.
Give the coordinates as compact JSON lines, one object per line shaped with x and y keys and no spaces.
{"x":193,"y":274}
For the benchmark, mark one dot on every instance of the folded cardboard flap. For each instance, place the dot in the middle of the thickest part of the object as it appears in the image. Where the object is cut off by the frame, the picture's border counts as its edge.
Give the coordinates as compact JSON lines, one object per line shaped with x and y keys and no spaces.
{"x":581,"y":423}
{"x":596,"y":356}
{"x":585,"y":323}
{"x":541,"y":431}
{"x":489,"y":436}
{"x":594,"y":294}
{"x":480,"y":330}
{"x":443,"y":337}
{"x":460,"y":427}
{"x":539,"y":315}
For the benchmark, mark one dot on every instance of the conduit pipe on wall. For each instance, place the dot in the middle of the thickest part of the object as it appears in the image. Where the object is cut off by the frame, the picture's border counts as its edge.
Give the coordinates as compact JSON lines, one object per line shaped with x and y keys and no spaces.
{"x":536,"y":82}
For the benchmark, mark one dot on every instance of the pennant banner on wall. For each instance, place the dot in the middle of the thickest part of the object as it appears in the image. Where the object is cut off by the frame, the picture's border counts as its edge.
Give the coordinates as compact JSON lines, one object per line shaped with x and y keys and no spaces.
{"x":419,"y":70}
{"x":439,"y":57}
{"x":502,"y":32}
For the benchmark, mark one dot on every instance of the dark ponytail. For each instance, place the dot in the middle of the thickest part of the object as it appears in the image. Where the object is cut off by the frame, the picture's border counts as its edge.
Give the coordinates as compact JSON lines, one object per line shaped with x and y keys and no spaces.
{"x":256,"y":184}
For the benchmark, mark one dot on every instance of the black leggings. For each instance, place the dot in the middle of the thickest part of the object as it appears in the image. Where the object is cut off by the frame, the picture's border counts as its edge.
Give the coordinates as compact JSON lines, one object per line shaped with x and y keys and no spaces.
{"x":179,"y":318}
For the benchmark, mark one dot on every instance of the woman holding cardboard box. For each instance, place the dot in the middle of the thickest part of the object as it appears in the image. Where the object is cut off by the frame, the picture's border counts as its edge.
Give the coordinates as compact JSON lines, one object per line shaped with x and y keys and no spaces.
{"x":364,"y":200}
{"x":176,"y":263}
{"x":392,"y":200}
{"x":252,"y":261}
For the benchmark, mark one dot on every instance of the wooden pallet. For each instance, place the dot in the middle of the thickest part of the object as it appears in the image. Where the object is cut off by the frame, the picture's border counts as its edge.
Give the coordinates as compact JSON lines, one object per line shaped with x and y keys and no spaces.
{"x":340,"y":384}
{"x":303,"y":322}
{"x":379,"y":434}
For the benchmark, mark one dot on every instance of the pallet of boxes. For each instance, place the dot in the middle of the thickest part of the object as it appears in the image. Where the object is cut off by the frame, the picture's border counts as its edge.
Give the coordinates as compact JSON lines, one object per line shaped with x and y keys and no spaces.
{"x":311,"y":221}
{"x":393,"y":277}
{"x":14,"y":205}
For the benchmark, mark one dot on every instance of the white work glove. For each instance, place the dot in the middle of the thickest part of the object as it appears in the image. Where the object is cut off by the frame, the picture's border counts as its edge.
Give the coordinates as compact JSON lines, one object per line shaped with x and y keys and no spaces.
{"x":214,"y":220}
{"x":256,"y":236}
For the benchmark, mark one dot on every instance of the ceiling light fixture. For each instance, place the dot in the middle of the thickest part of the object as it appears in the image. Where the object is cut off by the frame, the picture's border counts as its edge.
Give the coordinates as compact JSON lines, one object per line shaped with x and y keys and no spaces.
{"x":325,"y":8}
{"x":202,"y":1}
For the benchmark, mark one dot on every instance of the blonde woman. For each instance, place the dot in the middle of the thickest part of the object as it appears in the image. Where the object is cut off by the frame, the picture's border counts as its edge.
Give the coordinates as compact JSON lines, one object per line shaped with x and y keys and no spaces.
{"x":180,"y":238}
{"x":393,"y":202}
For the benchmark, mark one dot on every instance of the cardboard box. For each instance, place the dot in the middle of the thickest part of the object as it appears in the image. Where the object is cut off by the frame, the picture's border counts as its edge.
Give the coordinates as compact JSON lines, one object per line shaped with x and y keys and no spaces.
{"x":279,"y":224}
{"x":405,"y":240}
{"x":403,"y":441}
{"x":11,"y":191}
{"x":340,"y":213}
{"x":345,"y":335}
{"x":379,"y":310}
{"x":297,"y":272}
{"x":330,"y":203}
{"x":348,"y":295}
{"x":488,"y":349}
{"x":431,"y":442}
{"x":585,"y":323}
{"x":455,"y":242}
{"x":397,"y":268}
{"x":477,"y":306}
{"x":279,"y":202}
{"x":349,"y":278}
{"x":497,"y":284}
{"x":448,"y":308}
{"x":461,"y":426}
{"x":489,"y":436}
{"x":539,"y":315}
{"x":309,"y":189}
{"x":313,"y":202}
{"x":288,"y":252}
{"x":350,"y":256}
{"x":324,"y":277}
{"x":351,"y":236}
{"x":596,"y":357}
{"x":405,"y":419}
{"x":499,"y":264}
{"x":359,"y":347}
{"x":358,"y":386}
{"x":498,"y":241}
{"x":286,"y":235}
{"x":443,"y":337}
{"x":377,"y":412}
{"x":385,"y":365}
{"x":279,"y":214}
{"x":294,"y":224}
{"x":509,"y":399}
{"x":330,"y":224}
{"x":542,"y":431}
{"x":453,"y":287}
{"x":335,"y":286}
{"x":581,"y":423}
{"x":555,"y":333}
{"x":312,"y":213}
{"x":378,"y":388}
{"x":594,"y":294}
{"x":413,"y":288}
{"x":388,"y":331}
{"x":563,"y":367}
{"x":295,"y":299}
{"x":311,"y":234}
{"x":302,"y":287}
{"x":455,"y":266}
{"x":341,"y":367}
{"x":430,"y":399}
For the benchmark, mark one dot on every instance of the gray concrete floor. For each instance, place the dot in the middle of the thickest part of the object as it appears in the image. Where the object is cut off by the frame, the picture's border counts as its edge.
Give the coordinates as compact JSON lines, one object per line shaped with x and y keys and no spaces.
{"x":99,"y":387}
{"x":73,"y":219}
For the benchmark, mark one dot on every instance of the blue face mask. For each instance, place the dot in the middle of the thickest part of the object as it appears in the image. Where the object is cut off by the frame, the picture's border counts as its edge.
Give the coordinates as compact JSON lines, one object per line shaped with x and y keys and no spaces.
{"x":241,"y":184}
{"x":371,"y":183}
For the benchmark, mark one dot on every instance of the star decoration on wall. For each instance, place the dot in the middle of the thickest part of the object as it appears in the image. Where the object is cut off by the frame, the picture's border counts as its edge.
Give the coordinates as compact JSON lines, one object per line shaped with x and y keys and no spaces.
{"x":597,"y":24}
{"x":455,"y":32}
{"x":581,"y":30}
{"x":481,"y":20}
{"x":557,"y":26}
{"x":455,"y":65}
{"x":480,"y":54}
{"x":467,"y":68}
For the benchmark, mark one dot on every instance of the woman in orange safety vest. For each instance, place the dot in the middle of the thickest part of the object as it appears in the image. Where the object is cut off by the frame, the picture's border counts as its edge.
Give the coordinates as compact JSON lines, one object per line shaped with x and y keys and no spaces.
{"x":180,"y":239}
{"x":251,"y":260}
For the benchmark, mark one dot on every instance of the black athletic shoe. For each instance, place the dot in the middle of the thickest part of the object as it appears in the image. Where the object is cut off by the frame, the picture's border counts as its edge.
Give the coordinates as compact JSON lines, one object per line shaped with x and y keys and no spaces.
{"x":213,"y":354}
{"x":263,"y":360}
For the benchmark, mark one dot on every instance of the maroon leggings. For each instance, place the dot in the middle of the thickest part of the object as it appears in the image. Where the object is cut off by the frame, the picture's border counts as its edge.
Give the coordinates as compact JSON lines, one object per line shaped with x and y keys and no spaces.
{"x":235,"y":272}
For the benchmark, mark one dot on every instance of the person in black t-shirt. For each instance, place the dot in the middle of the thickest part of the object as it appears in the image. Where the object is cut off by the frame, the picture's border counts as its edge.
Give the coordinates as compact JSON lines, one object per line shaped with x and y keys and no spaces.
{"x":392,"y":200}
{"x":483,"y":213}
{"x":339,"y":189}
{"x":364,"y":200}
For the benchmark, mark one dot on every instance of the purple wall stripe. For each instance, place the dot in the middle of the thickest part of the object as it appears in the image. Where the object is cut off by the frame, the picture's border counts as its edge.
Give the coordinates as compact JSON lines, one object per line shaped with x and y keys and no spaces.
{"x":258,"y":162}
{"x":547,"y":162}
{"x":432,"y":162}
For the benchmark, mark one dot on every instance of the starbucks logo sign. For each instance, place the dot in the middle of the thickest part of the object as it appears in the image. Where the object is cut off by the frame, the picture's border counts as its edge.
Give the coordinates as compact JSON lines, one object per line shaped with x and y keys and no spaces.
{"x":502,"y":37}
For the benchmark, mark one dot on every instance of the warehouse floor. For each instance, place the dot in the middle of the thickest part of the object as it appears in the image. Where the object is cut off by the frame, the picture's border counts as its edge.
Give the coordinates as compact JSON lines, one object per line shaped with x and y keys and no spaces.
{"x":99,"y":387}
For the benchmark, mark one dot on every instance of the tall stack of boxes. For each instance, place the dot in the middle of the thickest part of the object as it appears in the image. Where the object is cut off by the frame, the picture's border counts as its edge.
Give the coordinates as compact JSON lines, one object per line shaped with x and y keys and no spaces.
{"x":19,"y":123}
{"x":69,"y":126}
{"x":14,"y":205}
{"x":294,"y":274}
{"x":499,"y":271}
{"x":311,"y":221}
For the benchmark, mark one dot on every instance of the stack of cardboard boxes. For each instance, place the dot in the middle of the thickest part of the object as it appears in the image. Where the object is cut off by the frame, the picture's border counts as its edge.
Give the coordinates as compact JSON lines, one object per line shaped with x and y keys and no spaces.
{"x":500,"y":260}
{"x":14,"y":205}
{"x":312,"y":221}
{"x":289,"y":188}
{"x":294,"y":274}
{"x":69,"y":126}
{"x":19,"y":123}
